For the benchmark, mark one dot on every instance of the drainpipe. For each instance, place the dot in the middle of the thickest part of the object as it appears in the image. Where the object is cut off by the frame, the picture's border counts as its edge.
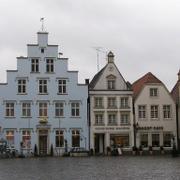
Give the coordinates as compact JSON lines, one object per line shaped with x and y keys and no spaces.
{"x":134,"y":123}
{"x":177,"y":127}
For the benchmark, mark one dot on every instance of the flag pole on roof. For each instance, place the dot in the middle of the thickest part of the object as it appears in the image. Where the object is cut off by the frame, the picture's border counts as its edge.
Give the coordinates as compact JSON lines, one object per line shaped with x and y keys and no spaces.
{"x":42,"y":24}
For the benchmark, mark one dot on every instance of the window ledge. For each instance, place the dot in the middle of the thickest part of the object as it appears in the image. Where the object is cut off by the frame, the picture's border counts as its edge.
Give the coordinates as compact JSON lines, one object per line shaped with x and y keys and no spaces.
{"x":43,"y":94}
{"x":50,"y":72}
{"x":43,"y":117}
{"x":35,"y":72}
{"x":142,"y":119}
{"x":167,"y":119}
{"x":25,"y":117}
{"x":59,"y":117}
{"x":21,"y":93}
{"x":62,"y":93}
{"x":9,"y":117}
{"x":154,"y":119}
{"x":75,"y":117}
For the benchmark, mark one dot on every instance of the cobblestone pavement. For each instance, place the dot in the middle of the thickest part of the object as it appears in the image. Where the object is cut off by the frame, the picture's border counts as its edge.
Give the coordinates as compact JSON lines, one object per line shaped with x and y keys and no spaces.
{"x":91,"y":168}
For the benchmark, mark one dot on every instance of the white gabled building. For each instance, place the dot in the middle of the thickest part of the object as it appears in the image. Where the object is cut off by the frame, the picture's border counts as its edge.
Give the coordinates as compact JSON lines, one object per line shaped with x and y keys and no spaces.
{"x":111,"y":114}
{"x":155,"y":113}
{"x":42,"y":103}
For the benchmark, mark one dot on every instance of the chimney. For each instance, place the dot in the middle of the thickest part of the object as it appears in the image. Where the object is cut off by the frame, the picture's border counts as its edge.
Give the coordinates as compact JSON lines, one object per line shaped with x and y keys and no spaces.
{"x":42,"y":38}
{"x":110,"y":57}
{"x":87,"y":81}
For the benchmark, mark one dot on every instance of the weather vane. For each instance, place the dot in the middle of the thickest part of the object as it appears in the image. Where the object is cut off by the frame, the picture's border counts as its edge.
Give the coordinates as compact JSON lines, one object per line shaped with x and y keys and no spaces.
{"x":42,"y":25}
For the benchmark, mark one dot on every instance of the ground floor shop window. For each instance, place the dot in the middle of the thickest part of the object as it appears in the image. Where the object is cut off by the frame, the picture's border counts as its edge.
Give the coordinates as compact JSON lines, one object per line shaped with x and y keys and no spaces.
{"x":10,"y":137}
{"x":119,"y":140}
{"x":144,"y":140}
{"x":59,"y":138}
{"x":75,"y":138}
{"x":167,"y":138}
{"x":155,"y":140}
{"x":26,"y":139}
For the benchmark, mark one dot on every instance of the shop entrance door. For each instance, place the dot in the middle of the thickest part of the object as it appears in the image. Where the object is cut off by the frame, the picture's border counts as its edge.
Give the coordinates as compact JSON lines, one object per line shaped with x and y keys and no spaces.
{"x":43,"y":142}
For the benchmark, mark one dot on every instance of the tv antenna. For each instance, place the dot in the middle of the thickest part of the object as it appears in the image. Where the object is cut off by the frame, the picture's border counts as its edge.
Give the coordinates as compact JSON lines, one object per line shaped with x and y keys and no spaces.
{"x":98,"y":50}
{"x":42,"y":24}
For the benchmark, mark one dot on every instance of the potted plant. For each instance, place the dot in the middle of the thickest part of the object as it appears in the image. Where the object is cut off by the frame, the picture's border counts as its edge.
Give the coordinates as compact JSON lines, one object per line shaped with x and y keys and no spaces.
{"x":108,"y":150}
{"x":140,"y":150}
{"x":134,"y":150}
{"x":51,"y":150}
{"x":35,"y":150}
{"x":150,"y":150}
{"x":162,"y":150}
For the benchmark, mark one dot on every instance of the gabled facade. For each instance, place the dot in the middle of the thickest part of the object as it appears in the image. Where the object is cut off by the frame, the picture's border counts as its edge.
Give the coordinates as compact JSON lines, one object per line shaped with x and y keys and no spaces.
{"x":155,"y":113}
{"x":42,"y":103}
{"x":176,"y":96}
{"x":110,"y":109}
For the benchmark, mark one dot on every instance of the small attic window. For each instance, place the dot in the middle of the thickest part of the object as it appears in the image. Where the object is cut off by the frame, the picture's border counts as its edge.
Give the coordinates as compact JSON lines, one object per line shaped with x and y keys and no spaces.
{"x":42,"y":50}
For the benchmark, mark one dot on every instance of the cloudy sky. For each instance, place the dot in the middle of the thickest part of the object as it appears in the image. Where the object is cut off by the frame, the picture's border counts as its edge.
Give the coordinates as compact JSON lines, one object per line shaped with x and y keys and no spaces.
{"x":143,"y":34}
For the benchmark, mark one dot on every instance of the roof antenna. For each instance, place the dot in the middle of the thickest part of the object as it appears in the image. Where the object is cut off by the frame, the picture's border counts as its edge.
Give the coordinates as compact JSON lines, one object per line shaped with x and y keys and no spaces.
{"x":98,"y":49}
{"x":42,"y":24}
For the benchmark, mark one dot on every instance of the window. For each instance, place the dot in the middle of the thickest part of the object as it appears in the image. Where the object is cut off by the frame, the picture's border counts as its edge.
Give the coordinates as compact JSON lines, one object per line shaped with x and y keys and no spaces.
{"x":144,"y":140}
{"x":62,"y":86}
{"x":43,"y":86}
{"x":43,"y":109}
{"x":42,"y":50}
{"x":10,"y":109}
{"x":112,"y":119}
{"x":124,"y":118}
{"x":26,"y":139}
{"x":75,"y":138}
{"x":166,"y":111}
{"x":120,"y":140}
{"x":153,"y":92}
{"x":98,"y":102}
{"x":141,"y":111}
{"x":111,"y":84}
{"x":34,"y":65}
{"x":10,"y":137}
{"x":155,"y":140}
{"x":49,"y":65}
{"x":59,"y":138}
{"x":99,"y":120}
{"x":26,"y":109}
{"x":154,"y":112}
{"x":21,"y":86}
{"x":112,"y":102}
{"x":59,"y":109}
{"x":167,"y":138}
{"x":124,"y":102}
{"x":75,"y":109}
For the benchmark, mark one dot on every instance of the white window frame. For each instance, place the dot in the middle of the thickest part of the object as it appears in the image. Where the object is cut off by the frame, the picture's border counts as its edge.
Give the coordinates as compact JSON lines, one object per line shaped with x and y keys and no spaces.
{"x":167,"y":111}
{"x":59,"y":109}
{"x":142,"y":112}
{"x":112,"y":118}
{"x":10,"y":112}
{"x":112,"y":103}
{"x":153,"y":92}
{"x":34,"y":65}
{"x":26,"y":109}
{"x":43,"y":109}
{"x":21,"y":86}
{"x":154,"y":109}
{"x":99,"y":119}
{"x":43,"y":86}
{"x":26,"y":139}
{"x":75,"y":109}
{"x":98,"y":102}
{"x":62,"y":86}
{"x":124,"y":102}
{"x":59,"y":134}
{"x":49,"y":65}
{"x":125,"y":118}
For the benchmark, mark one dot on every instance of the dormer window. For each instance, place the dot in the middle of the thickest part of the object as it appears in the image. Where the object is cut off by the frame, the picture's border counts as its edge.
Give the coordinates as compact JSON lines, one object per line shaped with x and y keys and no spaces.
{"x":153,"y":92}
{"x":111,"y":82}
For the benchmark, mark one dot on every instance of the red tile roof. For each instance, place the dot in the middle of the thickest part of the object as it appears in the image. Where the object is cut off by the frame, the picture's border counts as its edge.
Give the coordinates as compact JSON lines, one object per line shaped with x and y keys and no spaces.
{"x":148,"y":78}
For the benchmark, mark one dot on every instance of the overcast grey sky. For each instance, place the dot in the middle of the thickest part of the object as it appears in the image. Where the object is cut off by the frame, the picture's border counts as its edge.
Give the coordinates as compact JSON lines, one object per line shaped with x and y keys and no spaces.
{"x":143,"y":34}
